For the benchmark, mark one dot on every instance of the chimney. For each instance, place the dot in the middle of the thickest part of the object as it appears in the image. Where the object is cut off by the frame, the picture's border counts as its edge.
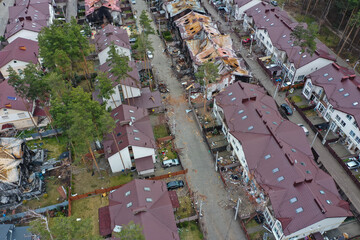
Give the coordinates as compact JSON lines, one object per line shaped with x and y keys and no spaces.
{"x":336,"y":66}
{"x":352,"y":77}
{"x":28,"y":18}
{"x":21,"y":19}
{"x":23,"y":48}
{"x":344,"y":78}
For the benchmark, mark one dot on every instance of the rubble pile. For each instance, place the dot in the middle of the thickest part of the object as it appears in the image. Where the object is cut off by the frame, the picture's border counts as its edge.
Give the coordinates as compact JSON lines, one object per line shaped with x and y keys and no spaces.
{"x":19,"y":176}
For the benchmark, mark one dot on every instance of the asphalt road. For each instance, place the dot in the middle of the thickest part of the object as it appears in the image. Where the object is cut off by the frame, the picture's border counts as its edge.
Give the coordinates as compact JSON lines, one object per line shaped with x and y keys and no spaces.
{"x":194,"y":155}
{"x":332,"y":166}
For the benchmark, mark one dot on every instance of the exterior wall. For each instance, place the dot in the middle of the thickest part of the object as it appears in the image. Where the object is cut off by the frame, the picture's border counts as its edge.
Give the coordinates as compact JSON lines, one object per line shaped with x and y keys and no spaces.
{"x":115,"y":161}
{"x":20,"y":119}
{"x":146,"y":172}
{"x":15,"y":64}
{"x":239,"y":10}
{"x":212,"y":87}
{"x":24,"y":34}
{"x":307,"y":69}
{"x":140,"y":152}
{"x":52,"y":15}
{"x":103,"y":55}
{"x":116,"y":96}
{"x":263,"y":40}
{"x":321,"y":226}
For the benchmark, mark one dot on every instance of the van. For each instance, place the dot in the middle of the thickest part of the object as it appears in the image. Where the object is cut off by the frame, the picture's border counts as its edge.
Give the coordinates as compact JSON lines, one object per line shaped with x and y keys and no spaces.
{"x":170,"y":163}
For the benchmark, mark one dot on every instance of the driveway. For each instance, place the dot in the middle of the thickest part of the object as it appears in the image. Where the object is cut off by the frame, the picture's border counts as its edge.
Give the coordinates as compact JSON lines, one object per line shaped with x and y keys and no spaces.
{"x":194,"y":154}
{"x":332,"y":166}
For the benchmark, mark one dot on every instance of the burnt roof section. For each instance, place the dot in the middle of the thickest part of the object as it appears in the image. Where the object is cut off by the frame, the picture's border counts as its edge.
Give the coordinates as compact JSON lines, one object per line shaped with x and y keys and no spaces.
{"x":93,"y":5}
{"x":342,"y":88}
{"x":20,"y":49}
{"x":145,"y":202}
{"x":111,"y":34}
{"x":284,"y":166}
{"x":178,"y":6}
{"x":132,"y":128}
{"x":132,"y":81}
{"x":279,"y":27}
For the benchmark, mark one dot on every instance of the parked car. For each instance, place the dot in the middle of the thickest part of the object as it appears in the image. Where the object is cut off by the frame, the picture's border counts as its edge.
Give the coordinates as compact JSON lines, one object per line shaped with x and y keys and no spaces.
{"x":150,"y":55}
{"x":353,"y":164}
{"x":170,"y":163}
{"x":132,"y":40}
{"x":133,"y":2}
{"x":304,"y":128}
{"x":274,"y":3}
{"x":322,"y":126}
{"x":287,"y":109}
{"x":175,"y":185}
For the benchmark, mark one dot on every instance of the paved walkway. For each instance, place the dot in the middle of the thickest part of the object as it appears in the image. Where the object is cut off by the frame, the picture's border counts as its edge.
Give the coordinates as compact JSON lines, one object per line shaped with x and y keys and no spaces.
{"x":333,"y":167}
{"x":194,"y":155}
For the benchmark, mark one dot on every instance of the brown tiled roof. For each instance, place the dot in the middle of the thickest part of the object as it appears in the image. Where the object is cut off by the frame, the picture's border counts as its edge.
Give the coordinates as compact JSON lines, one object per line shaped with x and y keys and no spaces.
{"x":279,"y":157}
{"x":111,"y":34}
{"x":144,"y":163}
{"x":147,"y":100}
{"x":343,"y":89}
{"x":20,"y":49}
{"x":145,"y":202}
{"x":133,"y":128}
{"x":30,"y":25}
{"x":9,"y":98}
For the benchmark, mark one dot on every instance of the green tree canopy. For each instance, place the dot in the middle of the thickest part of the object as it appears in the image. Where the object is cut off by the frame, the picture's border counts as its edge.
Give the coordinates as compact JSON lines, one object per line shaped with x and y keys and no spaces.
{"x":144,"y":45}
{"x":145,"y":23}
{"x":105,"y":86}
{"x":131,"y":231}
{"x":208,"y":72}
{"x":119,"y":64}
{"x":305,"y":37}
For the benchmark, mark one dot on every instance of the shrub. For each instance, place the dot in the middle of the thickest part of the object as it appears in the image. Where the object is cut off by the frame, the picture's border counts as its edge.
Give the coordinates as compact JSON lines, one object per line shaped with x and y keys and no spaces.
{"x":45,"y":195}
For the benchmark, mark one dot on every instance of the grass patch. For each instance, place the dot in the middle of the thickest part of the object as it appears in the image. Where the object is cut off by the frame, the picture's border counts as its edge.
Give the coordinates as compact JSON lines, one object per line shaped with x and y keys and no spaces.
{"x":55,"y":148}
{"x":310,"y":113}
{"x":160,"y":131}
{"x":88,"y":208}
{"x":296,"y":98}
{"x":166,"y":152}
{"x":302,"y":18}
{"x":328,"y":37}
{"x":185,"y":210}
{"x":257,"y":235}
{"x":303,"y":106}
{"x":252,"y":223}
{"x":83,"y":181}
{"x":190,"y":231}
{"x":50,"y":198}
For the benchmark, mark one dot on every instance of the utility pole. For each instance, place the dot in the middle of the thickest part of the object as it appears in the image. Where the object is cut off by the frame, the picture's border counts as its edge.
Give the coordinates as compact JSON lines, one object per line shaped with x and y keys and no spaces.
{"x":313,"y":141}
{"x":237,"y":208}
{"x":327,"y":132}
{"x":357,"y":62}
{"x":251,"y":43}
{"x":216,"y":159}
{"x":276,"y":90}
{"x":201,"y":203}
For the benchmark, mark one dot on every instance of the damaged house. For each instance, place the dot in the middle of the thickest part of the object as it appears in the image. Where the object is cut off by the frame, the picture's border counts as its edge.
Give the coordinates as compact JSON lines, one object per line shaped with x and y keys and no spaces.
{"x":202,"y":42}
{"x":18,"y":178}
{"x":99,"y":11}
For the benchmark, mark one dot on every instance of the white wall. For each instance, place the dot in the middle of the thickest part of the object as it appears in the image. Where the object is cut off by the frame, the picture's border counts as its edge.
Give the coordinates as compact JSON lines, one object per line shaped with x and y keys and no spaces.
{"x":308,"y":68}
{"x":146,"y":172}
{"x":212,"y":87}
{"x":20,"y":119}
{"x":103,"y":55}
{"x":24,"y":34}
{"x":115,"y":161}
{"x":15,"y":64}
{"x":239,"y":10}
{"x":116,"y":96}
{"x":130,"y":92}
{"x":52,"y":15}
{"x":140,"y":152}
{"x":263,"y":37}
{"x":321,"y":226}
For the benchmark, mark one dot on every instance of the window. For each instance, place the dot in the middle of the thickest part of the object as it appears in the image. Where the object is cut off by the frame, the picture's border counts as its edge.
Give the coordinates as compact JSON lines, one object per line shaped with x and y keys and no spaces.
{"x":149,"y":199}
{"x":352,"y":133}
{"x":237,"y":149}
{"x":127,"y":193}
{"x":306,"y":92}
{"x":343,"y":123}
{"x":349,"y":117}
{"x":299,"y":210}
{"x":292,"y":200}
{"x":357,"y":139}
{"x":129,"y":204}
{"x":337,"y":118}
{"x":147,"y":189}
{"x":21,"y":115}
{"x":5,"y":117}
{"x":309,"y":84}
{"x":300,"y":77}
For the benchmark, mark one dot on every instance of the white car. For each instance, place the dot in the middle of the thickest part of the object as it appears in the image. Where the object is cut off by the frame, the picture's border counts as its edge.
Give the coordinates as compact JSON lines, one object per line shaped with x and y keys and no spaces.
{"x":304,"y":128}
{"x":133,"y":2}
{"x":150,"y":55}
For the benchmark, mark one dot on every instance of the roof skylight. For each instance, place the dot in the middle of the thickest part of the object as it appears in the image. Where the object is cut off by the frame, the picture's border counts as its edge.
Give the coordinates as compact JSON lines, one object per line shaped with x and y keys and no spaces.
{"x":233,"y":99}
{"x":147,"y":189}
{"x":284,"y":36}
{"x":129,"y":204}
{"x":244,"y":117}
{"x":127,"y":193}
{"x":346,"y":94}
{"x":355,"y":103}
{"x":230,"y":93}
{"x":322,"y":192}
{"x":328,"y":202}
{"x":292,"y":200}
{"x":275,"y":170}
{"x":137,"y":139}
{"x":240,"y":111}
{"x":330,"y":79}
{"x":149,"y":199}
{"x":250,"y":128}
{"x":341,"y":89}
{"x":267,"y":156}
{"x":299,"y":210}
{"x":326,"y":74}
{"x":280,"y":178}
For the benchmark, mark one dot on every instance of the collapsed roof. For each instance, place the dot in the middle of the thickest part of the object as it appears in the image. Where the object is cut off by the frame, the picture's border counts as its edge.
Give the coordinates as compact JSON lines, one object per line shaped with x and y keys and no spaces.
{"x":178,"y":6}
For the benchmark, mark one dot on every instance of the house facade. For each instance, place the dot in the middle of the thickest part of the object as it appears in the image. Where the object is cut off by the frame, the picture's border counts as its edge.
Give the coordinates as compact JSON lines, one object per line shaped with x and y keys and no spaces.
{"x":132,"y":139}
{"x":301,"y":198}
{"x":335,"y":92}
{"x":17,"y":55}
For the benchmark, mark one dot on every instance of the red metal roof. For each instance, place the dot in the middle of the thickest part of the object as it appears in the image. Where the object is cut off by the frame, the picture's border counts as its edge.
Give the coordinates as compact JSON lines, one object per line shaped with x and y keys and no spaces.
{"x":9,"y":98}
{"x":111,"y":34}
{"x":144,"y":163}
{"x":148,"y":99}
{"x":145,"y":202}
{"x":104,"y":221}
{"x":279,"y":157}
{"x":174,"y":199}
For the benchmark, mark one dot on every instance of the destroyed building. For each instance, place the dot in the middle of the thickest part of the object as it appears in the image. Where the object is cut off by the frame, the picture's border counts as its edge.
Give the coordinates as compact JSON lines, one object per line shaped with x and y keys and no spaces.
{"x":97,"y":11}
{"x":19,"y":179}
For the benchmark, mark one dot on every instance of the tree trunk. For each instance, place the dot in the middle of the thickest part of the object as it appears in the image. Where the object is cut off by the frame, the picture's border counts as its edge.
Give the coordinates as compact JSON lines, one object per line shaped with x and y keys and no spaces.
{"x":324,"y":15}
{"x":346,"y":40}
{"x":31,"y":117}
{"x":94,"y":159}
{"x":346,"y":26}
{"x":317,"y":1}
{"x":308,"y":6}
{"x":118,"y":149}
{"x":356,"y":33}
{"x":51,"y":120}
{"x":343,"y":17}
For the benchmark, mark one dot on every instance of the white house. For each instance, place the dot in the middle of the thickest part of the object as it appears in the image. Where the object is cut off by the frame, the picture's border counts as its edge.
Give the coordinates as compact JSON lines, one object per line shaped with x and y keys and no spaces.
{"x":132,"y":142}
{"x":275,"y":156}
{"x":272,"y":30}
{"x":18,"y":54}
{"x":127,"y":88}
{"x":15,"y":112}
{"x":335,"y":91}
{"x":111,"y":35}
